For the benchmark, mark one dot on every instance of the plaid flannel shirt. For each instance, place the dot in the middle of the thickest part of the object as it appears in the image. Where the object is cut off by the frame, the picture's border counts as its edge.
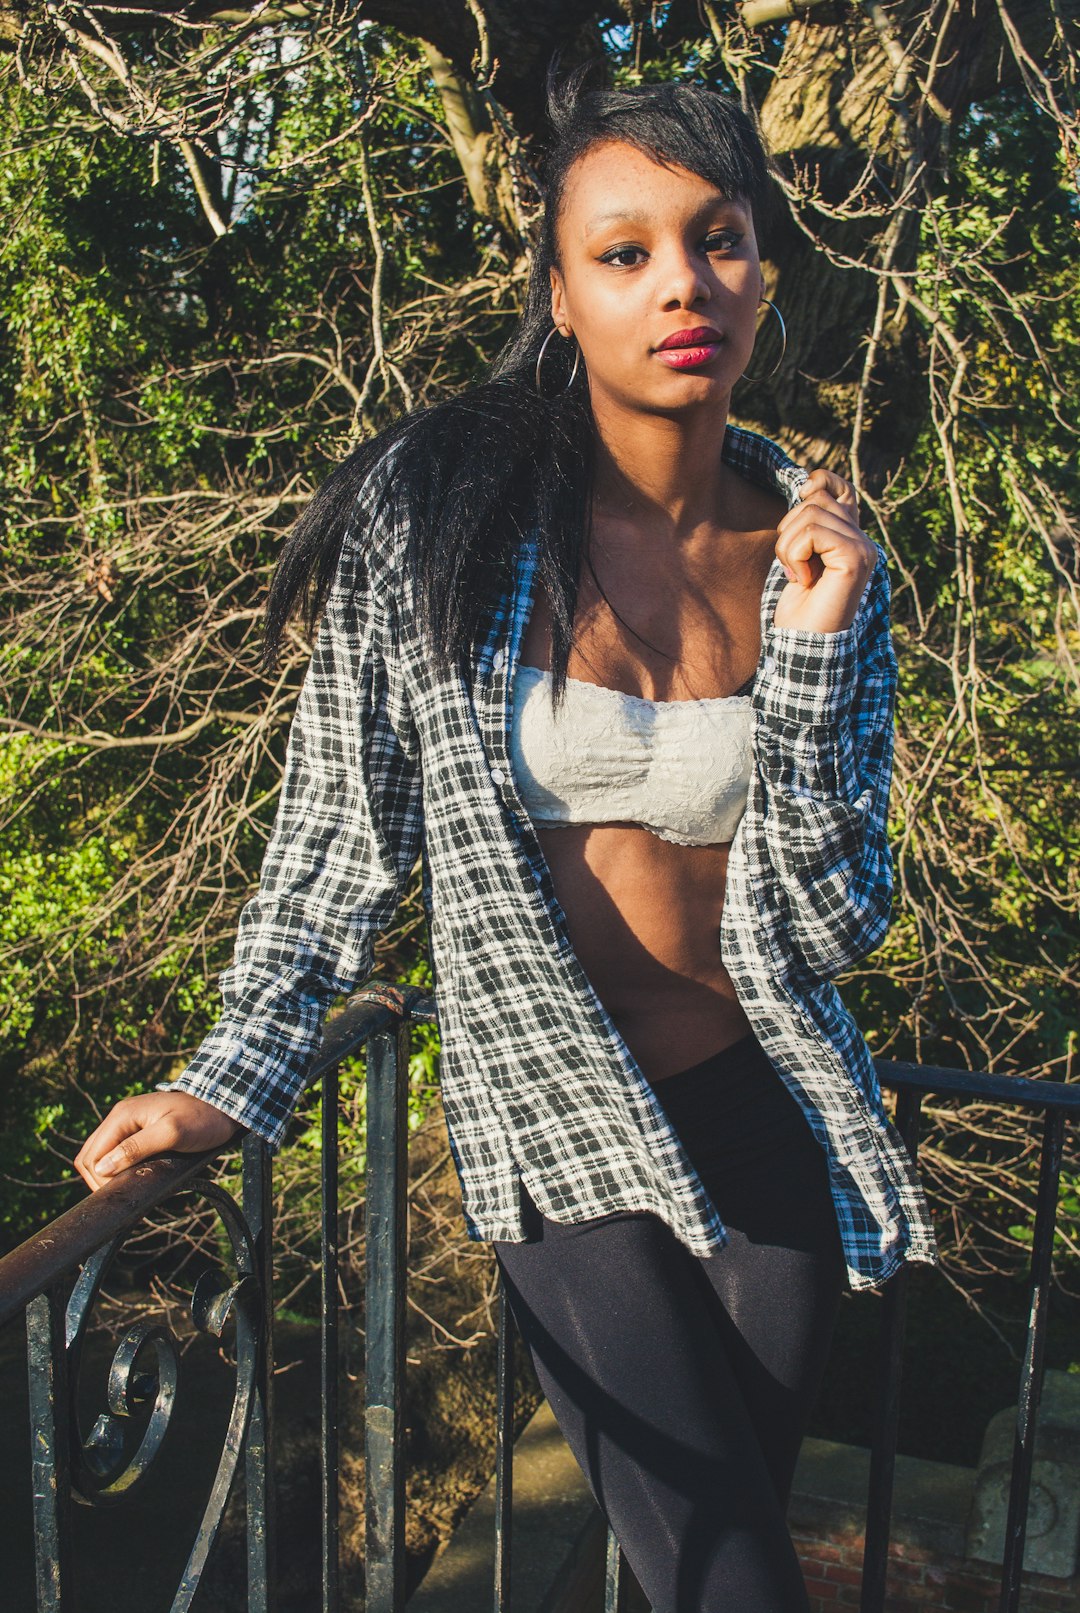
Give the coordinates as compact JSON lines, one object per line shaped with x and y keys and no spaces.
{"x":389,"y":759}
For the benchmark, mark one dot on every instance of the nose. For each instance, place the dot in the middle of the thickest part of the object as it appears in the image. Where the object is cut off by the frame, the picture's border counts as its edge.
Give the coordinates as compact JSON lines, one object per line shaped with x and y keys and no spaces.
{"x":684,"y":280}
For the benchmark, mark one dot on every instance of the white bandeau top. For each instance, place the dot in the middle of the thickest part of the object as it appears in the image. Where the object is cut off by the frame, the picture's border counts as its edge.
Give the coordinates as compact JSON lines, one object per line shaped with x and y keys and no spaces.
{"x":680,"y":768}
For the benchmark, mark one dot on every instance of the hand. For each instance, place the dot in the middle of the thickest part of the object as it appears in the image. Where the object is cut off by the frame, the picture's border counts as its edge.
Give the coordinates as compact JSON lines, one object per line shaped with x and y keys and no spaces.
{"x":151,"y":1123}
{"x":826,"y":555}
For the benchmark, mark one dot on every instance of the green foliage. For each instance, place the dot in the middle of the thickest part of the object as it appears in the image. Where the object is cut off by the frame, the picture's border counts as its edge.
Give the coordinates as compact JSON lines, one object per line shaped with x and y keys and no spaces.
{"x":147,"y":366}
{"x":170,"y":396}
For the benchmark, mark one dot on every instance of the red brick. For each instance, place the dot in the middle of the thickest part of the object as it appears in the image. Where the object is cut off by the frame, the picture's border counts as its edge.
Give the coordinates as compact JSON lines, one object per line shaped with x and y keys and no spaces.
{"x":821,"y":1594}
{"x":842,"y":1574}
{"x":920,"y":1581}
{"x":907,"y":1573}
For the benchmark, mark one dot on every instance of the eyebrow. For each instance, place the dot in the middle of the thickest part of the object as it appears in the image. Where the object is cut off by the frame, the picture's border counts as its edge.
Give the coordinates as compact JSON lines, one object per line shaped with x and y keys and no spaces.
{"x":637,"y":217}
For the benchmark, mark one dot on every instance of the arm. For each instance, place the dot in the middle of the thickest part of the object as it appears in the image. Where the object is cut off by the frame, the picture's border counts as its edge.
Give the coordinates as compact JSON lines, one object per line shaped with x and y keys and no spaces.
{"x":825,"y":746}
{"x":345,"y":838}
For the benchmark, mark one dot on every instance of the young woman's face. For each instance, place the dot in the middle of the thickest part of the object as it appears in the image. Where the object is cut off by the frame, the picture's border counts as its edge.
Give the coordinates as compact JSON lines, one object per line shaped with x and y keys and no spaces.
{"x":648,"y":252}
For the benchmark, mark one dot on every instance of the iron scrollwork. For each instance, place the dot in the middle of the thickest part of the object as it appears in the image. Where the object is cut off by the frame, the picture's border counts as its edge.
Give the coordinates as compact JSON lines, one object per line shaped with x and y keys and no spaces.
{"x":145,"y":1370}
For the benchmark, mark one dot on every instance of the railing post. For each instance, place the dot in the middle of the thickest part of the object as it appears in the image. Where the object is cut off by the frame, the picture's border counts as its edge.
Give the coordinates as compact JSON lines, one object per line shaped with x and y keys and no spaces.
{"x":50,"y":1436}
{"x":257,"y":1201}
{"x":36,"y":1279}
{"x":330,"y":1442}
{"x":1031,"y":1376}
{"x":384,"y":1319}
{"x":615,"y":1581}
{"x":504,"y":1447}
{"x":890,"y":1366}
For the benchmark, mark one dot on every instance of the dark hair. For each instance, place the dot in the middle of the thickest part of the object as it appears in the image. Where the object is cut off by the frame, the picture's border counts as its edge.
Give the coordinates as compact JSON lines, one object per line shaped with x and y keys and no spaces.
{"x":480,"y":468}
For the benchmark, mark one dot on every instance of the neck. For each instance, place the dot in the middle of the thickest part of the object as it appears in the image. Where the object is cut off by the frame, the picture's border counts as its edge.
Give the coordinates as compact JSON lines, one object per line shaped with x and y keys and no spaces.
{"x":662,"y":471}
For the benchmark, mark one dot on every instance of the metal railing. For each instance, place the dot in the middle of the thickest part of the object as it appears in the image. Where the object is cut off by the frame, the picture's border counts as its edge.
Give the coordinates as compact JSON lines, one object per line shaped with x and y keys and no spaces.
{"x":53,"y":1279}
{"x":1058,"y":1103}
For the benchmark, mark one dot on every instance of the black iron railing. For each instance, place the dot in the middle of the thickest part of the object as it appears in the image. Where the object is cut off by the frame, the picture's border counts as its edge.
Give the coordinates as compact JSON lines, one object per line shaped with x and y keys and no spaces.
{"x":1058,"y":1104}
{"x":54,"y":1278}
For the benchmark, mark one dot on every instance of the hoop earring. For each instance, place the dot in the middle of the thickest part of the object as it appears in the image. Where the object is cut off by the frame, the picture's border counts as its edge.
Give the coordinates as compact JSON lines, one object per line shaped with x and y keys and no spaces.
{"x":783,"y":344}
{"x":552,"y":332}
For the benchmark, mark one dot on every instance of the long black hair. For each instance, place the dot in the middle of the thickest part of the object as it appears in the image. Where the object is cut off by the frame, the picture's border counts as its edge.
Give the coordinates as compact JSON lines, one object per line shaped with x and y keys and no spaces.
{"x":480,"y":468}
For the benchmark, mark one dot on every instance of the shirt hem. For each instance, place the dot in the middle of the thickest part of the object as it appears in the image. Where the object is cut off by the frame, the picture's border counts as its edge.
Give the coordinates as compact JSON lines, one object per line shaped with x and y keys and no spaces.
{"x":511,"y":1229}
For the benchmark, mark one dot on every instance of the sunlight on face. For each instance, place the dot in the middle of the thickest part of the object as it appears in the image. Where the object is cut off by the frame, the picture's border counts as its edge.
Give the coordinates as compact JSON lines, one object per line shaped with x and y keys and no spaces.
{"x":646,"y":252}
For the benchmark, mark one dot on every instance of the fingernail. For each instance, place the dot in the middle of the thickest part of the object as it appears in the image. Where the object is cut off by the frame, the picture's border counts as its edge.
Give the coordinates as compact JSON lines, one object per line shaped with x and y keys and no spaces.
{"x":110,"y":1163}
{"x":789,"y":574}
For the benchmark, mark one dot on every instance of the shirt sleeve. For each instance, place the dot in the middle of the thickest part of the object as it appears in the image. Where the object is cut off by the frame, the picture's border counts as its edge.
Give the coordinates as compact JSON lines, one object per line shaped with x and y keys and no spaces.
{"x":824,"y":739}
{"x":344,"y":840}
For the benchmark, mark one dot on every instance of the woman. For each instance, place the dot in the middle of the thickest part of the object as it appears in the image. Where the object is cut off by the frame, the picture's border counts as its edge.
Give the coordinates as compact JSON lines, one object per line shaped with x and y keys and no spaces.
{"x":649,"y":778}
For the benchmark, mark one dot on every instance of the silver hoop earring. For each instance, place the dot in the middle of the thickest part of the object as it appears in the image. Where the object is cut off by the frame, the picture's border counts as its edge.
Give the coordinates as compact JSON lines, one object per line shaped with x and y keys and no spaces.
{"x":553,"y":332}
{"x":783,"y":343}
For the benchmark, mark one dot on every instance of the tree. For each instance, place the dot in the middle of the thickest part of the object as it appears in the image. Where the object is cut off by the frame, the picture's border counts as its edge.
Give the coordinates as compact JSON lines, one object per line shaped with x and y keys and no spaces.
{"x":240,"y":238}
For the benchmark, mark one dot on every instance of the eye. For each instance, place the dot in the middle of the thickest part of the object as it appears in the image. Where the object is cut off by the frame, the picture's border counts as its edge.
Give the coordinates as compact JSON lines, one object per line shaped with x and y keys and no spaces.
{"x":724,"y":238}
{"x":619,"y":252}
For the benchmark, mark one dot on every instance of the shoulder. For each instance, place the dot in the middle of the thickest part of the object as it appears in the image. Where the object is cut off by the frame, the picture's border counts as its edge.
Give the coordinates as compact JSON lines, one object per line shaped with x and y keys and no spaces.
{"x":374,"y":527}
{"x":378,"y":502}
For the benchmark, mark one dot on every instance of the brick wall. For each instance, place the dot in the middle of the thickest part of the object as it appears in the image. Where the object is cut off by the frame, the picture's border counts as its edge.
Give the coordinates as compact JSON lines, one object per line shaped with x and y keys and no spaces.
{"x":919,"y":1579}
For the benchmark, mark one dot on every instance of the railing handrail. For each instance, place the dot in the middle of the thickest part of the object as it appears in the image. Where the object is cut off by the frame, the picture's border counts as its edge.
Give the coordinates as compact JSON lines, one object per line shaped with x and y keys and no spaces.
{"x":72,"y":1236}
{"x":36,"y":1278}
{"x":1018,"y":1089}
{"x":373,"y":1008}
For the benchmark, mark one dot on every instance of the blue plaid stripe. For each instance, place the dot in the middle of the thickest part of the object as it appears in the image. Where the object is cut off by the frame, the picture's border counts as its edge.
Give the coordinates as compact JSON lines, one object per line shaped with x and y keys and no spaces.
{"x":387,"y":757}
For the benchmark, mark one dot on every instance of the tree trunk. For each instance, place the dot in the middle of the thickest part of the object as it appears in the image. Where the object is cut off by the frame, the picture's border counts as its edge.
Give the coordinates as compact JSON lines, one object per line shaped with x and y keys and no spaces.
{"x":858,"y":116}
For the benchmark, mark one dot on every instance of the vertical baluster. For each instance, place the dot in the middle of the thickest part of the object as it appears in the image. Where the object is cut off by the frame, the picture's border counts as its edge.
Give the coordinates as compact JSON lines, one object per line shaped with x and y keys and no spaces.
{"x":330,"y":1435}
{"x":504,"y":1448}
{"x":1031,"y":1375}
{"x":614,"y":1575}
{"x":259,"y":1451}
{"x":384,"y":1319}
{"x":50,"y":1433}
{"x":890,"y":1361}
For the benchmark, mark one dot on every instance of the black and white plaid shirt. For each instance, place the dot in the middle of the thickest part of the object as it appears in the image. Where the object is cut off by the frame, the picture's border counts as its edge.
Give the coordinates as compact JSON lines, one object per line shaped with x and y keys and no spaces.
{"x":388,"y":758}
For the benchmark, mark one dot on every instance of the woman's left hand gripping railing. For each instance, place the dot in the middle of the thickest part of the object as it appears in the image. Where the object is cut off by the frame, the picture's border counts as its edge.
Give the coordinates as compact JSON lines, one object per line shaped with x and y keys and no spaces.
{"x":54,"y":1278}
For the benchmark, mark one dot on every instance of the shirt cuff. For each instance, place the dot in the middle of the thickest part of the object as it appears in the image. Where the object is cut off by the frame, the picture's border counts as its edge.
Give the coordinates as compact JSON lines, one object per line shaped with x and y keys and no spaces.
{"x":231,"y":1075}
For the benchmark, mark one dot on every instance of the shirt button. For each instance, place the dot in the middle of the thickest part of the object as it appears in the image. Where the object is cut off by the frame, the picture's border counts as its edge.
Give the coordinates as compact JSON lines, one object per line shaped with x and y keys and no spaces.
{"x":769,"y":663}
{"x":498,"y":776}
{"x":497,"y":660}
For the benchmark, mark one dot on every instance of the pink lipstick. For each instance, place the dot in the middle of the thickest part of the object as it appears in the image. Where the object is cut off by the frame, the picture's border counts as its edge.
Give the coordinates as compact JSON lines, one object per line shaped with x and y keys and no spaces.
{"x":685,"y":349}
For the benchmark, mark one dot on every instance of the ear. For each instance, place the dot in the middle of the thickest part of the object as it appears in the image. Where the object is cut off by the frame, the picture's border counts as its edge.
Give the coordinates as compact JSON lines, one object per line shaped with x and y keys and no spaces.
{"x":558,"y":298}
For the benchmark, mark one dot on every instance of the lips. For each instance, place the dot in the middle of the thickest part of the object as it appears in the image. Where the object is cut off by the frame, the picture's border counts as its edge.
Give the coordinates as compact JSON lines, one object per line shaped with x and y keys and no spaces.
{"x":689,"y":349}
{"x":696,"y":336}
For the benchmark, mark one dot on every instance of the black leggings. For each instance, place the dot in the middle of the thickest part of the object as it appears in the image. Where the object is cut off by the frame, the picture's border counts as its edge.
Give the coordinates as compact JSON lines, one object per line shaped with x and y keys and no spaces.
{"x":682,"y":1383}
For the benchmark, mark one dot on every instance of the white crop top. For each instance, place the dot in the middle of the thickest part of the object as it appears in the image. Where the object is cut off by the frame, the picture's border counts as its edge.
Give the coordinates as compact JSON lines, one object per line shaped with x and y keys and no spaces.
{"x":680,"y":768}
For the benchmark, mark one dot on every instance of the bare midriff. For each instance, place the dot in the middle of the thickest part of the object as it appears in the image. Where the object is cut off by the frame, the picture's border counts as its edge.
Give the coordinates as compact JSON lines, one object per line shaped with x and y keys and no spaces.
{"x":643,"y":913}
{"x":643,"y":916}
